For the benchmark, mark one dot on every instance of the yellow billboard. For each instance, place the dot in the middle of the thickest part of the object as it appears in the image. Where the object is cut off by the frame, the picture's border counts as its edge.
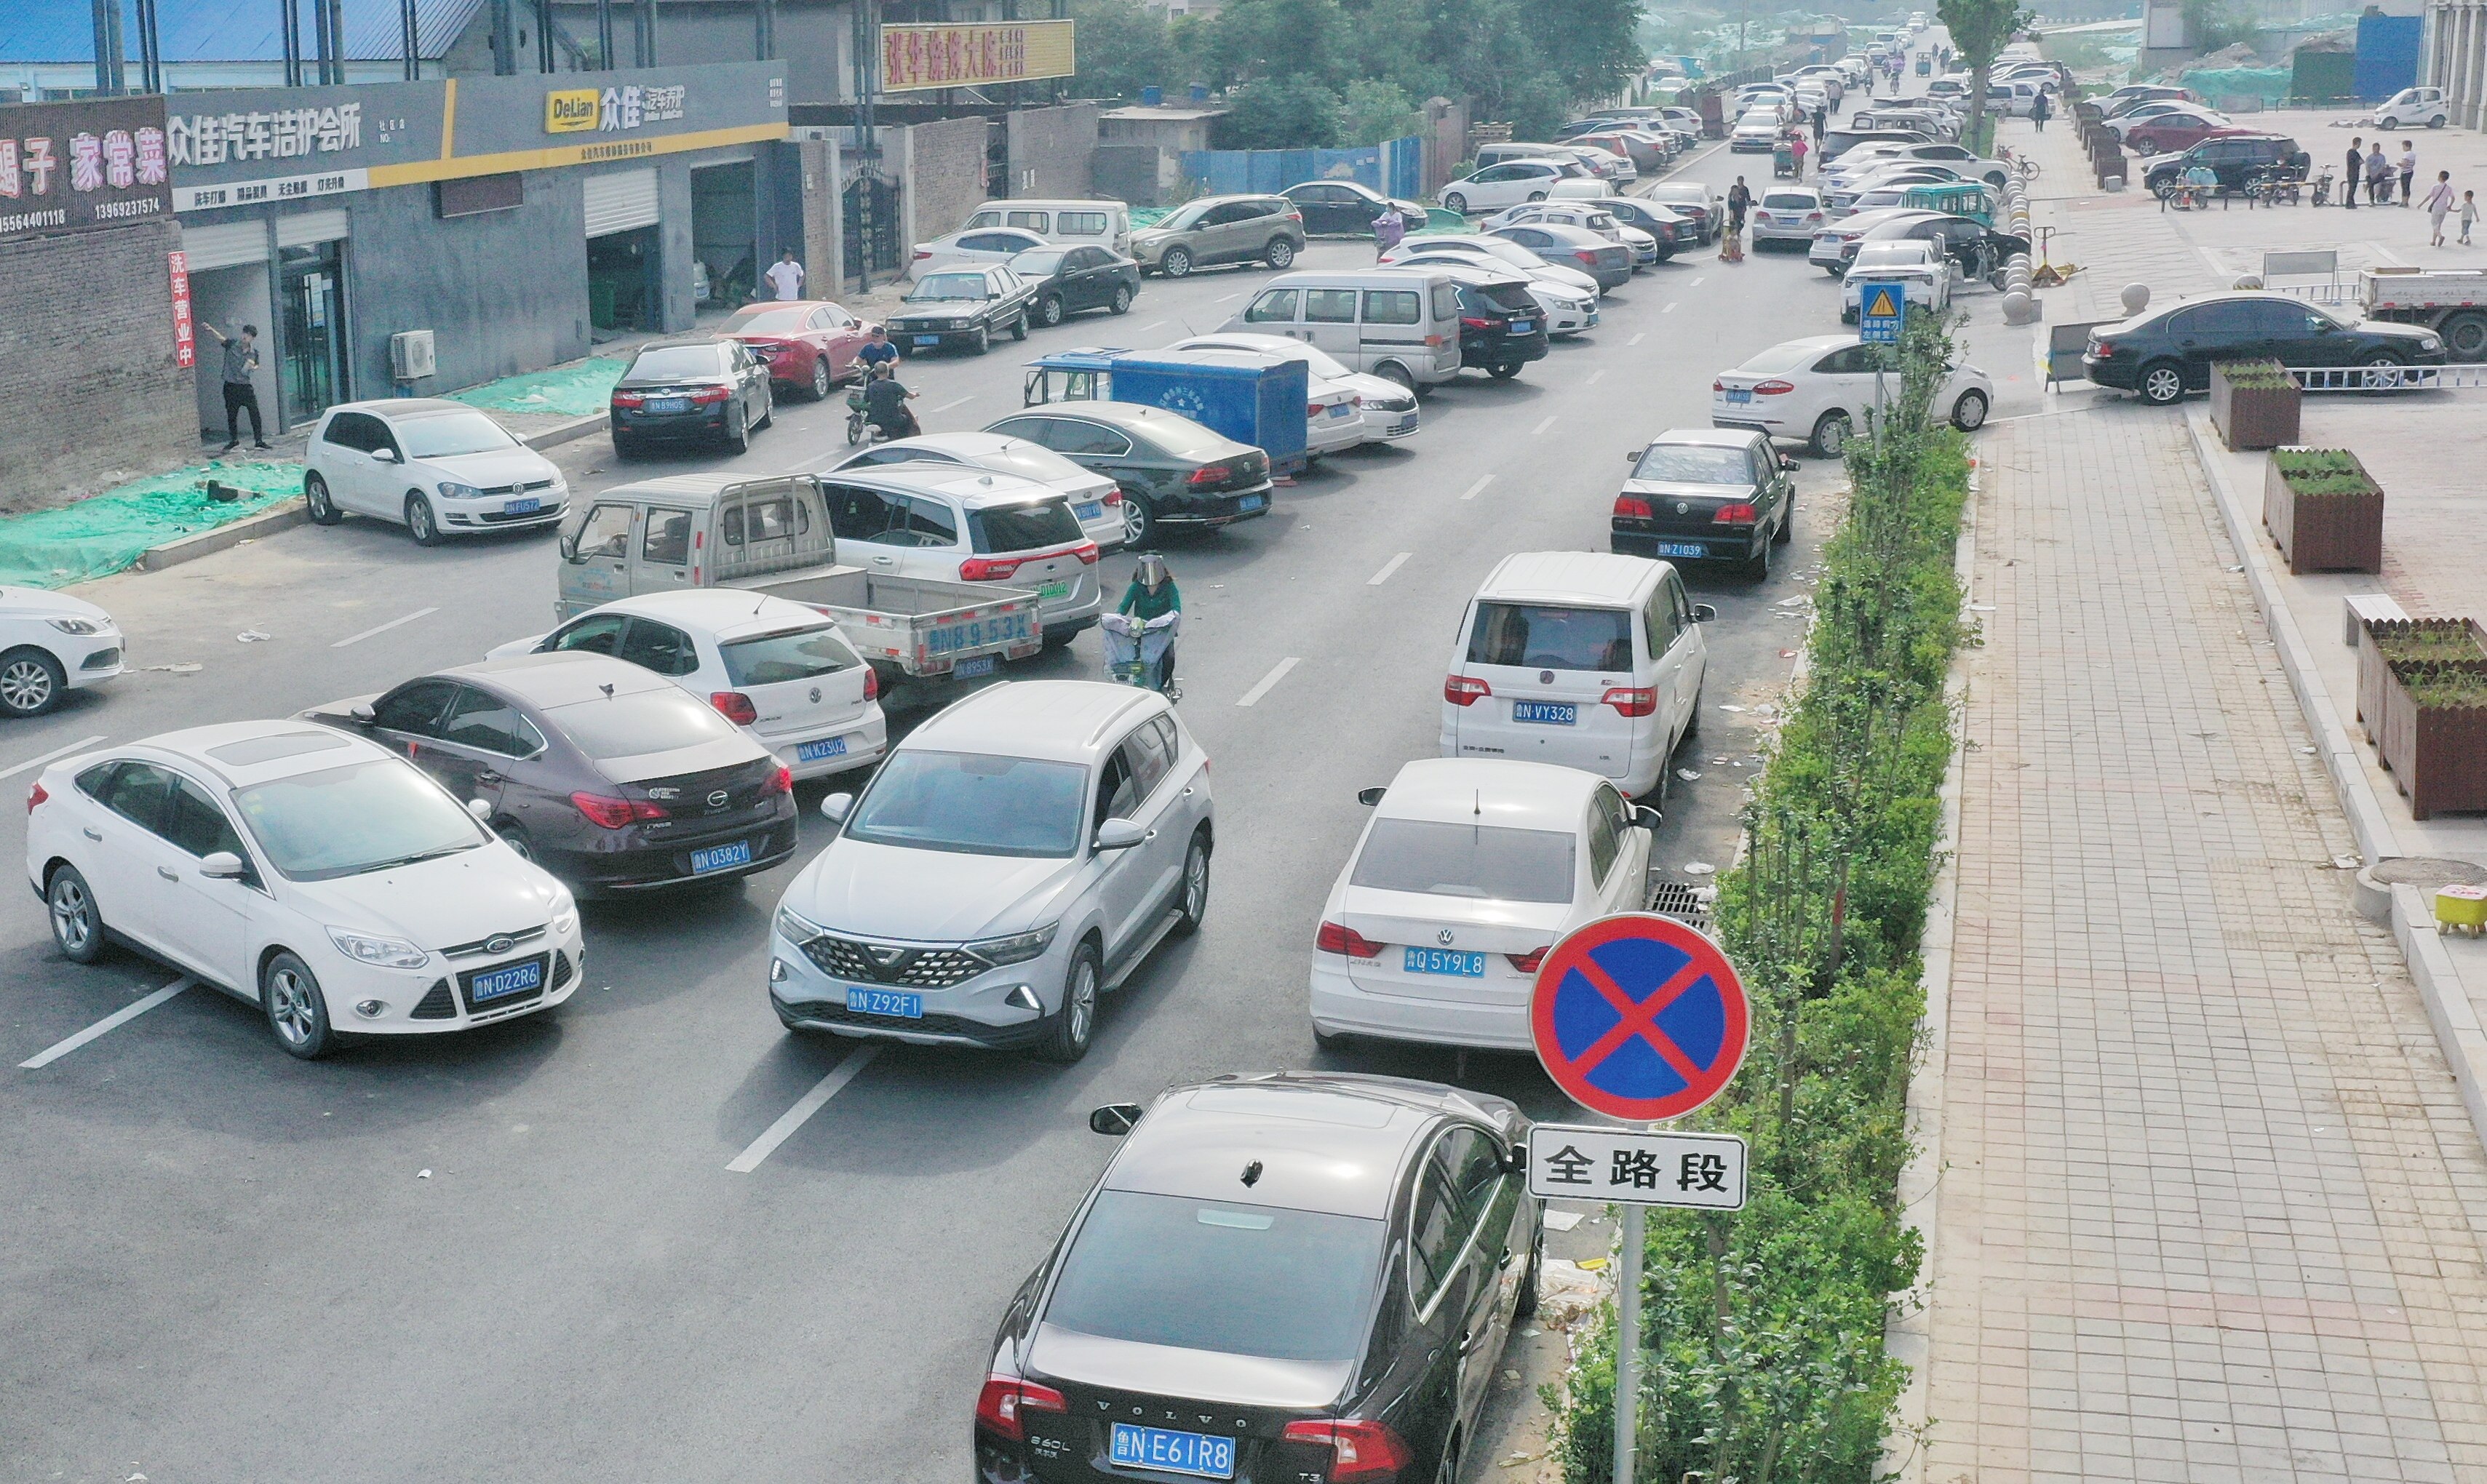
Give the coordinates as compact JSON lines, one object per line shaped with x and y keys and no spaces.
{"x":917,"y":57}
{"x":570,"y":111}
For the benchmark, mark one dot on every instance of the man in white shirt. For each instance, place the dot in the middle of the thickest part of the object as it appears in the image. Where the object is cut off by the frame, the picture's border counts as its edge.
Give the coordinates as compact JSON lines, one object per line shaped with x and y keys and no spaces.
{"x":786,"y":276}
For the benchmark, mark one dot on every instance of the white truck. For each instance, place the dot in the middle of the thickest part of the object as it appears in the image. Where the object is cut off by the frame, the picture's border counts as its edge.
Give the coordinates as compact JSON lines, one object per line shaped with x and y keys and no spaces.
{"x":2452,"y":302}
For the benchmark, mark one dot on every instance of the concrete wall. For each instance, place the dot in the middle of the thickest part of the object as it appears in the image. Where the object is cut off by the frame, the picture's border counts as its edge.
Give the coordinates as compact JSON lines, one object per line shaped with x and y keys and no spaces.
{"x":945,"y":175}
{"x":502,"y":291}
{"x":67,"y":369}
{"x":1140,"y":173}
{"x":1053,"y":151}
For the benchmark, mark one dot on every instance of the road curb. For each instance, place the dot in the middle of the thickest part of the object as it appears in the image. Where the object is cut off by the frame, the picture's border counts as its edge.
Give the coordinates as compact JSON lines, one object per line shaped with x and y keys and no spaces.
{"x":567,"y":432}
{"x":2448,"y":1010}
{"x":282,"y":515}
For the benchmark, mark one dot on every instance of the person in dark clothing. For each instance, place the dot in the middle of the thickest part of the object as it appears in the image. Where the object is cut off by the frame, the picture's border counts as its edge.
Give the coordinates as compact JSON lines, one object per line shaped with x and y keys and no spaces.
{"x":1820,"y":118}
{"x":1153,"y":596}
{"x":241,"y":360}
{"x":2038,"y":111}
{"x":2357,"y":171}
{"x":885,"y":403}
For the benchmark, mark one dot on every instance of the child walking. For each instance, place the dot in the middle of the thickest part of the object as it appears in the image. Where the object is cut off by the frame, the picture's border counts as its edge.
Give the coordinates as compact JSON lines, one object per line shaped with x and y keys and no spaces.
{"x":2469,"y":214}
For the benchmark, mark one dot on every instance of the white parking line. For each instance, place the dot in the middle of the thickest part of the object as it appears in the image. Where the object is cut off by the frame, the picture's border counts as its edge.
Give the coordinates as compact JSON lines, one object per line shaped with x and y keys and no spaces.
{"x":1668,"y":310}
{"x":120,"y":1017}
{"x":357,"y":638}
{"x":1145,"y":328}
{"x":961,"y":402}
{"x":1594,"y":378}
{"x":1637,"y":337}
{"x":1230,"y":299}
{"x":1479,"y":488}
{"x":804,"y":1107}
{"x":1387,"y":567}
{"x":1692,"y":283}
{"x":1542,"y":427}
{"x":79,"y":745}
{"x":1278,"y":673}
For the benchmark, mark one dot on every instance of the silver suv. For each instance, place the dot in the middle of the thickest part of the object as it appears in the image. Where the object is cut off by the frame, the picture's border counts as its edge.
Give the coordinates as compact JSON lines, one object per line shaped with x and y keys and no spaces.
{"x":1019,"y":855}
{"x":1221,"y":229}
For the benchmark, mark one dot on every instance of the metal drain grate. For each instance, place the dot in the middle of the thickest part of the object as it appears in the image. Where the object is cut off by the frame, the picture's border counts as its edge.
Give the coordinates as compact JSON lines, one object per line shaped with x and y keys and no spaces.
{"x":1686,"y":904}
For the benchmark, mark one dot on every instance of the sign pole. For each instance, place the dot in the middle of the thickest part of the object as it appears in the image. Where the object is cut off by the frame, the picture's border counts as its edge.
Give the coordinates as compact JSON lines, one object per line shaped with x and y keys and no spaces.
{"x":1628,"y":1341}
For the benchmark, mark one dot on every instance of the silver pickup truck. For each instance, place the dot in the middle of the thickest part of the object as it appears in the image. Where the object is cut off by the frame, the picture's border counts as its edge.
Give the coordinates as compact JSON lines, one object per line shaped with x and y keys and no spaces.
{"x":771,"y":535}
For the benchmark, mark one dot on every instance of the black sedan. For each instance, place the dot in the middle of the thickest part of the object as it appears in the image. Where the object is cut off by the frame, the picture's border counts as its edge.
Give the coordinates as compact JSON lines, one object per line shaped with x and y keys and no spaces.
{"x":1707,"y":495}
{"x":1674,"y":230}
{"x":1299,"y":1276}
{"x":963,"y":306}
{"x":2164,"y":353}
{"x":704,"y":390}
{"x":1173,"y":471}
{"x":1979,"y":251}
{"x":1346,"y":206}
{"x":1071,"y":279}
{"x":609,"y":776}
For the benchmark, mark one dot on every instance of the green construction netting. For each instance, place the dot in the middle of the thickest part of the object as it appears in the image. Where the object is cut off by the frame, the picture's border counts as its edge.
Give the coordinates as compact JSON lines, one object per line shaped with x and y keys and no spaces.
{"x":579,"y":389}
{"x":98,"y":537}
{"x":2270,"y":84}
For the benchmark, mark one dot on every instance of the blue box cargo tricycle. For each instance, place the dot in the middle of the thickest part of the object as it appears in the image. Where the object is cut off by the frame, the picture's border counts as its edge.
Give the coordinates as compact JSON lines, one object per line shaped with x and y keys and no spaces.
{"x":1260,"y":404}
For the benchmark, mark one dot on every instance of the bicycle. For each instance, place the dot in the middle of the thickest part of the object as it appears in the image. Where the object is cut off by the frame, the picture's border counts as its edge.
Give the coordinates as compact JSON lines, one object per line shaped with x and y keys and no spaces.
{"x":2021,"y":165}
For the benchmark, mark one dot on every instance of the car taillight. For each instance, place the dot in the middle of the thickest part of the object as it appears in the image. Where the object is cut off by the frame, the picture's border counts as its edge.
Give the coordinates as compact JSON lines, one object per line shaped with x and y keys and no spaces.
{"x":1526,"y":963}
{"x":871,"y":684}
{"x":1210,"y":474}
{"x":1087,"y":553}
{"x":1314,"y":410}
{"x":711,"y":394}
{"x":629,"y":400}
{"x":987,"y":568}
{"x":1004,"y":1397}
{"x":1718,"y":386}
{"x":1588,"y":255}
{"x":782,"y":781}
{"x":614,"y":813}
{"x":1464,"y":690}
{"x":1632,"y":507}
{"x":1630,"y":700}
{"x":1814,"y":216}
{"x":1772,"y":388}
{"x":923,"y":253}
{"x":1339,"y":938}
{"x":35,"y":796}
{"x":1468,"y":321}
{"x":2102,"y":347}
{"x":1734,"y":514}
{"x":734,"y":706}
{"x":1361,"y":1452}
{"x":1113,"y":496}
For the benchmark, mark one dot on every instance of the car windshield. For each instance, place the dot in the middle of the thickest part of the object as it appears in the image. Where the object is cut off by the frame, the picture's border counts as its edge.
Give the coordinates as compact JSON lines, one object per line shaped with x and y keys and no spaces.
{"x":788,"y":654}
{"x":1039,"y":262}
{"x":1185,"y":218}
{"x":767,"y":321}
{"x":1684,"y":463}
{"x":451,"y":434}
{"x":948,"y":286}
{"x":1029,"y":527}
{"x":1479,"y":862}
{"x":671,"y":363}
{"x":1227,"y":1278}
{"x":972,"y":805}
{"x":643,"y":721}
{"x":1542,"y":636}
{"x":346,"y":820}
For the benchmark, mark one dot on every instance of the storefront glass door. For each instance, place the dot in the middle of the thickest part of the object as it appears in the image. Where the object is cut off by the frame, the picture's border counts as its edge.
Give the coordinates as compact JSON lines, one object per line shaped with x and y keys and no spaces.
{"x":314,"y":286}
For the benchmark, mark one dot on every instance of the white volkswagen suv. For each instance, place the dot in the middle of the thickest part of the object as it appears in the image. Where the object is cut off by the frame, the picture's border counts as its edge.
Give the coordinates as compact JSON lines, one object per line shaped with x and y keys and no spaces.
{"x":1016,"y":857}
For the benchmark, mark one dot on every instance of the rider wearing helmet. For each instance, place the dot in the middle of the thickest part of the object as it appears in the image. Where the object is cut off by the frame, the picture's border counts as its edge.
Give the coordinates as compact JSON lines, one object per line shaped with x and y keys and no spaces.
{"x":1153,"y":595}
{"x":884,"y":400}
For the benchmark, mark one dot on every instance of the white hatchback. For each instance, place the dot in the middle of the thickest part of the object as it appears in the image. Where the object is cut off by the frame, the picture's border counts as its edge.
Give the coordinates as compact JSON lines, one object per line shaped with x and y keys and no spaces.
{"x":778,"y":670}
{"x":52,"y":644}
{"x":1096,"y":500}
{"x":1589,"y":660}
{"x":438,"y":468}
{"x":1921,"y":270}
{"x":314,"y":874}
{"x":1821,"y":389}
{"x":1466,"y":874}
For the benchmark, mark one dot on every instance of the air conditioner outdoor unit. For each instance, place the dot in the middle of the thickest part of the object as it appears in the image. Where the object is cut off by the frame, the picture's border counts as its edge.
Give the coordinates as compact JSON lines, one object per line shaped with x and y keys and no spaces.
{"x":411,"y":355}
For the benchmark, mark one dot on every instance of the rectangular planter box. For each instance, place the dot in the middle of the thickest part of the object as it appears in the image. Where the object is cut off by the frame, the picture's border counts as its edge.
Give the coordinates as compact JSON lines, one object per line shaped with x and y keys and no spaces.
{"x":2437,"y":754}
{"x":2251,"y":417}
{"x":2326,"y":532}
{"x":2374,"y":669}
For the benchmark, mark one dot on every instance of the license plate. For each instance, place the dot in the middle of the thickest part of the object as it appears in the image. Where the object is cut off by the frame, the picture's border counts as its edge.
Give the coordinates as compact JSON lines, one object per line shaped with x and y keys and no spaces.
{"x":1252,"y":502}
{"x":1690,"y":548}
{"x":1443,"y":961}
{"x":826,"y":747}
{"x":721,"y":857}
{"x":928,"y":339}
{"x":1052,"y":589}
{"x":1342,"y":409}
{"x":522,"y":506}
{"x":1738,"y":396}
{"x":1197,"y":1454}
{"x":1546,"y":713}
{"x":1406,"y":424}
{"x":1094,"y":510}
{"x":982,"y":664}
{"x":864,"y":1001}
{"x":1523,"y":326}
{"x":501,"y":983}
{"x":669,"y":403}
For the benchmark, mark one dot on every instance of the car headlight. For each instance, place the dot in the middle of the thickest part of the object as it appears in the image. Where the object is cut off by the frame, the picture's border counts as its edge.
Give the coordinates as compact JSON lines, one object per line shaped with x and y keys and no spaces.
{"x":76,"y":624}
{"x":450,"y":489}
{"x":2426,"y":343}
{"x":386,"y":952}
{"x":565,"y":914}
{"x":1017,"y":948}
{"x":794,"y":928}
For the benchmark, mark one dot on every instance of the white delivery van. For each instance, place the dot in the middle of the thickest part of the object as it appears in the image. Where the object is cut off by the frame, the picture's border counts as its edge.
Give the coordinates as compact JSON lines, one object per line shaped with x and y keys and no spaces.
{"x":1094,"y":223}
{"x":1400,"y":323}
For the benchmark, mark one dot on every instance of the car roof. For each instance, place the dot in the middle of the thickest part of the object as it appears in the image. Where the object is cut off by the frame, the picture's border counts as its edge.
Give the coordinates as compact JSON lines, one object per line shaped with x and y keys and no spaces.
{"x":694,"y":488}
{"x":1488,"y":791}
{"x":676,"y":342}
{"x":1561,"y":232}
{"x":1709,"y":437}
{"x":1476,"y":274}
{"x":559,"y":678}
{"x":1569,"y":576}
{"x":1050,"y":721}
{"x":720,"y":611}
{"x":396,"y":408}
{"x":972,"y":486}
{"x":252,"y":752}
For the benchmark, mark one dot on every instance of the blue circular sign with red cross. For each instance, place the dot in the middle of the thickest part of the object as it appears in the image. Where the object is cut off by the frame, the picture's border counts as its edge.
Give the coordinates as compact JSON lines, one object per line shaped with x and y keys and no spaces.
{"x":1638,"y":1017}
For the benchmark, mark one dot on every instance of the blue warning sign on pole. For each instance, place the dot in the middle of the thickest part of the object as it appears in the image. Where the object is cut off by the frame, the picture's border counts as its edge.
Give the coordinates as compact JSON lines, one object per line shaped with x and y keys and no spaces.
{"x":1881,"y":309}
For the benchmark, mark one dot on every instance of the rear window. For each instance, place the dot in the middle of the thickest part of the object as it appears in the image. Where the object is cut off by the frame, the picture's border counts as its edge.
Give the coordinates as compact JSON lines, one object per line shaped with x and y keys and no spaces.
{"x":1391,"y":306}
{"x":1508,"y":299}
{"x":1024,"y":527}
{"x":649,"y":721}
{"x":1446,"y":301}
{"x":1544,"y":637}
{"x":665,"y":363}
{"x":1789,"y":201}
{"x":793,"y":654}
{"x":1479,"y":862}
{"x":1230,"y":1280}
{"x":1684,"y":464}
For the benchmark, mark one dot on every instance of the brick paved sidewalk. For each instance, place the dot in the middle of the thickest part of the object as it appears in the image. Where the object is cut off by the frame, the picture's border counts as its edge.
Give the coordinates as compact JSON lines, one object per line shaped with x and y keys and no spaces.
{"x":2210,"y":1209}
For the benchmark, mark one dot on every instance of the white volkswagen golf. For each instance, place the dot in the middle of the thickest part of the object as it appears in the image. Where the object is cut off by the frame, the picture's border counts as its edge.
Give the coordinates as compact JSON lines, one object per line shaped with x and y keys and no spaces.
{"x":316,"y":875}
{"x":438,"y":468}
{"x":1466,"y":874}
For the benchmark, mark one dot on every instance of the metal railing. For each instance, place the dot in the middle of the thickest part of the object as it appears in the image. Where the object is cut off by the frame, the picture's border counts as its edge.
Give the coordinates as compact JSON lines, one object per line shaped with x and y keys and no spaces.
{"x":2389,"y":379}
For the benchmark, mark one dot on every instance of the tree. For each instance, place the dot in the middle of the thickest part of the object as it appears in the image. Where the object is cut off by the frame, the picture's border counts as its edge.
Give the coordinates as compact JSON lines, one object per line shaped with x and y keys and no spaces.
{"x":1377,"y":110}
{"x":1280,"y":113}
{"x":1124,"y":46}
{"x":1980,"y":29}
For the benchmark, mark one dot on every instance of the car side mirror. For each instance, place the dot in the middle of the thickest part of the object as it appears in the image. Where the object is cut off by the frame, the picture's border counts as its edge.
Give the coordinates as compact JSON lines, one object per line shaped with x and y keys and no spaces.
{"x":1515,"y":1159}
{"x":1647,"y":818}
{"x":836,"y":807}
{"x":222,"y":866}
{"x":1631,"y":456}
{"x":1372,"y":795}
{"x":1788,"y":463}
{"x":361,"y":713}
{"x":569,"y":547}
{"x":1114,"y":1119}
{"x":385,"y":455}
{"x":1118,"y":834}
{"x":482,"y":809}
{"x":1703,"y":613}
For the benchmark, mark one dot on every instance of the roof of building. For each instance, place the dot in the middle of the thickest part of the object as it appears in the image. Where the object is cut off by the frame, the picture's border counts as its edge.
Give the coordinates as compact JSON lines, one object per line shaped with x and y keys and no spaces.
{"x":1166,"y":112}
{"x":231,"y":31}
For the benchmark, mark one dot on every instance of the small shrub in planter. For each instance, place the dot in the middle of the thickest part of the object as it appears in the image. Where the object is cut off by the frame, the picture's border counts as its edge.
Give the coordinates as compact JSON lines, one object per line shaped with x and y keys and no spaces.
{"x":2435,"y":734}
{"x":2324,"y":510}
{"x":2253,"y":404}
{"x":2423,"y":640}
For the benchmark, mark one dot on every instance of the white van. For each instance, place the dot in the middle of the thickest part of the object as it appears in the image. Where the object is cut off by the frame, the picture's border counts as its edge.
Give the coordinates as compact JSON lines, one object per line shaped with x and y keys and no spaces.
{"x":1096,"y":223}
{"x":1588,"y":659}
{"x":1399,"y":322}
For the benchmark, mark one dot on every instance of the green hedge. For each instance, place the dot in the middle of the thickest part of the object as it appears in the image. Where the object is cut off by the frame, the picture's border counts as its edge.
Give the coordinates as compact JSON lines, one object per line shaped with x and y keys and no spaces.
{"x":1766,"y":1326}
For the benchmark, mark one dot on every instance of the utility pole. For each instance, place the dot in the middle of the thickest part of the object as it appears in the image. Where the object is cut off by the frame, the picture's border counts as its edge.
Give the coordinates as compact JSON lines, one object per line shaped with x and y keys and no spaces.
{"x":292,"y":12}
{"x":545,"y":61}
{"x":764,"y":30}
{"x":410,"y":42}
{"x":604,"y":35}
{"x":109,"y":48}
{"x":151,"y":48}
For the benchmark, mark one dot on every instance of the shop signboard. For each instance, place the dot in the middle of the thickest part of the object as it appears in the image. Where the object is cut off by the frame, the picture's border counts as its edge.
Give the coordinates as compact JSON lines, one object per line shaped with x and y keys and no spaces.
{"x":257,"y":145}
{"x":185,"y":331}
{"x":968,"y":56}
{"x":79,"y":166}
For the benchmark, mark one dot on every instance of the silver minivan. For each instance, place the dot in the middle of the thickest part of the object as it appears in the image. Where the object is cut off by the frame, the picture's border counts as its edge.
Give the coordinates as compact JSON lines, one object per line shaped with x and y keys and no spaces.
{"x":1099,"y":223}
{"x":1399,"y":322}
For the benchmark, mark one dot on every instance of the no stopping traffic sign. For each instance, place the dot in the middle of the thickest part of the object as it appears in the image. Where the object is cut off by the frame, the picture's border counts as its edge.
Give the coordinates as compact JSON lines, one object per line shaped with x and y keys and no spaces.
{"x":1638,"y":1017}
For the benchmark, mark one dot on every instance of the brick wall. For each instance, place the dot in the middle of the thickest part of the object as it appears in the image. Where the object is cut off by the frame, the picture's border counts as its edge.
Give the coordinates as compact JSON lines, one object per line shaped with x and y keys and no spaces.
{"x":945,"y":175}
{"x":87,"y":379}
{"x":1052,"y":151}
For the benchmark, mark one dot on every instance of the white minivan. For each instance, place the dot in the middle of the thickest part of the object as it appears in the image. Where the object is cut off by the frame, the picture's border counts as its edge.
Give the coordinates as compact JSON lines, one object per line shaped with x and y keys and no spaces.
{"x":1588,"y":659}
{"x":1070,"y":223}
{"x":1402,"y":323}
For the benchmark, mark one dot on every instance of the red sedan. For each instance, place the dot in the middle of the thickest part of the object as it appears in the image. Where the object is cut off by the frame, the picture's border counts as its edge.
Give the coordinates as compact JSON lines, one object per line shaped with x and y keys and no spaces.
{"x":809,"y":343}
{"x":2180,"y":129}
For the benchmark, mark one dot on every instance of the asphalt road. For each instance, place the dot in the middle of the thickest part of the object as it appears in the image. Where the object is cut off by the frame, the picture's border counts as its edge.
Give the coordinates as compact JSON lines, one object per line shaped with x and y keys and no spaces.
{"x":520,"y":1254}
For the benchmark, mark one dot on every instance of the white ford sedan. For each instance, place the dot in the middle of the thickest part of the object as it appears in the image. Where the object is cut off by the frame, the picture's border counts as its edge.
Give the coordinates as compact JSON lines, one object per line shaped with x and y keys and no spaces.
{"x":315,"y":875}
{"x":438,"y":468}
{"x":1468,"y":872}
{"x":1820,"y":390}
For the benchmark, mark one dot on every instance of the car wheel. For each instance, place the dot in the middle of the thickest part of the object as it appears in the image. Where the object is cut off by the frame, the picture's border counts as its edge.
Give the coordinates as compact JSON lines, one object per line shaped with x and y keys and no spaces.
{"x":77,"y":924}
{"x":31,"y":681}
{"x":1525,"y":1306}
{"x":821,"y":380}
{"x":1138,"y":525}
{"x":2435,"y":120}
{"x":1191,"y":908}
{"x":1331,"y":1040}
{"x":983,"y":340}
{"x":738,"y":434}
{"x":1787,"y":523}
{"x":1176,"y":264}
{"x":2162,"y":383}
{"x":1122,"y":301}
{"x":1757,"y":566}
{"x":1537,"y":195}
{"x":1397,"y":374}
{"x":1503,"y":371}
{"x":296,"y":1011}
{"x":516,"y":840}
{"x":1049,"y":310}
{"x":1279,"y":254}
{"x":1834,"y":269}
{"x":2145,"y":147}
{"x":1968,"y":414}
{"x":768,"y":412}
{"x":1831,"y":435}
{"x":624,"y":449}
{"x":1455,"y":202}
{"x":419,"y":523}
{"x":2387,"y":124}
{"x":1069,"y":1028}
{"x":318,"y":501}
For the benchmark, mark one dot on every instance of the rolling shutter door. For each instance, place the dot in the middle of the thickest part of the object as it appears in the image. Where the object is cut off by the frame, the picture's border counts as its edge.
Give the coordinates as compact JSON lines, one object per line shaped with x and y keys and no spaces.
{"x":227,"y":244}
{"x":620,"y":200}
{"x":305,"y":229}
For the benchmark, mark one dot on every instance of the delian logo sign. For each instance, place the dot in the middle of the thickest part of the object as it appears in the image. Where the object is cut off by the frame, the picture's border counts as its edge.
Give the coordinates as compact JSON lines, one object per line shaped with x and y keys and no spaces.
{"x":569,"y":112}
{"x":585,"y":110}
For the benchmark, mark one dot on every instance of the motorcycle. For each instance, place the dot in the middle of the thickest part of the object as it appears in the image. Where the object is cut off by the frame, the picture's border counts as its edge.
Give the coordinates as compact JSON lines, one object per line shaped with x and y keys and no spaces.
{"x":857,"y":423}
{"x":1142,"y":654}
{"x":2276,"y":185}
{"x":2323,"y":187}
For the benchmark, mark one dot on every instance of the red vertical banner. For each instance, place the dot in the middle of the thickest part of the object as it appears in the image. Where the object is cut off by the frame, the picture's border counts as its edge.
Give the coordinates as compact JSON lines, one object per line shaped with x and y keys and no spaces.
{"x":185,"y":335}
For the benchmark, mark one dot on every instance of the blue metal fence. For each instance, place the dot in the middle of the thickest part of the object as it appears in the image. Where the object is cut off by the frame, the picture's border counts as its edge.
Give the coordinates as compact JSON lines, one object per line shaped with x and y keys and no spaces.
{"x":2388,"y":54}
{"x":1396,"y":167}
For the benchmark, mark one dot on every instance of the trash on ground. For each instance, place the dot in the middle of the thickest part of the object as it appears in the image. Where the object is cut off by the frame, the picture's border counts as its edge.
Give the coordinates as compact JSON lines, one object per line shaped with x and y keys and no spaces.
{"x":1687,"y":776}
{"x":1731,"y":708}
{"x":1699,"y":868}
{"x":187,"y":667}
{"x":422,"y":1174}
{"x":1561,"y":1221}
{"x":253,"y":636}
{"x":1568,"y":1293}
{"x":2347,"y":862}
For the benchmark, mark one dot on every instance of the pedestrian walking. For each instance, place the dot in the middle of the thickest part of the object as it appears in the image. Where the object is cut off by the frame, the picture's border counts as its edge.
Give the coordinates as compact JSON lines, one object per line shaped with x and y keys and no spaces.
{"x":2439,"y":205}
{"x":786,"y":276}
{"x":1796,"y":147}
{"x":2408,"y":169}
{"x":2469,"y":214}
{"x":2379,"y":176}
{"x":2038,"y":113}
{"x":1389,"y":229}
{"x":1731,"y":243}
{"x":2350,"y":176}
{"x":241,"y":359}
{"x":1820,"y":118}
